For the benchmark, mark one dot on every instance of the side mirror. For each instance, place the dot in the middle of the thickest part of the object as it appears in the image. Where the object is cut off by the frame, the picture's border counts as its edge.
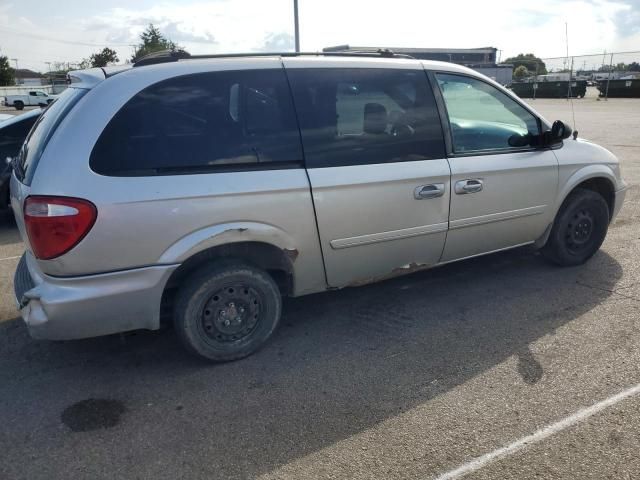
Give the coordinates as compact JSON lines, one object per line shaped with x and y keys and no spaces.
{"x":560,"y":131}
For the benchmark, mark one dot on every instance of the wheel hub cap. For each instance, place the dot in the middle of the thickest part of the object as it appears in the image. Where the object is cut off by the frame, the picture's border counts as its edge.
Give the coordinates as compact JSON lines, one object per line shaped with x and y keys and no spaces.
{"x":580,"y":229}
{"x":231,"y":313}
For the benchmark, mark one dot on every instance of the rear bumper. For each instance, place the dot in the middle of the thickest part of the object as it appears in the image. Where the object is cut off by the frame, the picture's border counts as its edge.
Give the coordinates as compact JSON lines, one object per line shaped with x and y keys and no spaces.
{"x":57,"y":308}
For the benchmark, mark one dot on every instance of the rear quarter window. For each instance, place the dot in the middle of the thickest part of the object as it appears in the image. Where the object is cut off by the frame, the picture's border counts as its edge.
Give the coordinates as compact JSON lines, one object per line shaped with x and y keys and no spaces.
{"x":200,"y":123}
{"x":42,"y":132}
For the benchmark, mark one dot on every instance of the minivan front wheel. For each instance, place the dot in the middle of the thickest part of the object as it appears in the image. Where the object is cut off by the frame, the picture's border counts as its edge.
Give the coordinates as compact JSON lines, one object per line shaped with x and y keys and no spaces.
{"x":227,"y":311}
{"x":579,"y":228}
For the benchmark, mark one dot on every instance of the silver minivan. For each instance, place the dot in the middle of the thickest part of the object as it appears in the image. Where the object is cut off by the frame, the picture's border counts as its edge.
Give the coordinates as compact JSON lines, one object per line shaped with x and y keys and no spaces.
{"x":211,"y":187}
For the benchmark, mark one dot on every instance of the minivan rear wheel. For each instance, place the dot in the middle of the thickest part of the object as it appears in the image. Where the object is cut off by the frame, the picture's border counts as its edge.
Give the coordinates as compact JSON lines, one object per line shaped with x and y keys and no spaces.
{"x":579,"y":228}
{"x":227,"y":311}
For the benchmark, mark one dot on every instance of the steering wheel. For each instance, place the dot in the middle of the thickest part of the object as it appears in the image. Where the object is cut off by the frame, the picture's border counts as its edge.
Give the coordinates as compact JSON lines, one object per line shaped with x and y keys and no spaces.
{"x":400,"y":129}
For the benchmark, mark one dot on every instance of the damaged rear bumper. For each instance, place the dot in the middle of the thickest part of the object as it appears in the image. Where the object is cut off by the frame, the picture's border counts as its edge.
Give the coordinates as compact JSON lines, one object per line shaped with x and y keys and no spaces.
{"x":56,"y":308}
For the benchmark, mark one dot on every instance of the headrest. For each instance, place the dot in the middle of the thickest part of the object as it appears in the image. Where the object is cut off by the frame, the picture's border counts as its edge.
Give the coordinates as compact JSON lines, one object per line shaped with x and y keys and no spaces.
{"x":375,"y":118}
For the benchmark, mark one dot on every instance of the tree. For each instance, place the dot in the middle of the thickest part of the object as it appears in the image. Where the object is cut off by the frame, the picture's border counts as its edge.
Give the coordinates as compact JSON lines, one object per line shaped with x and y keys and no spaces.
{"x":530,"y":61}
{"x":634,"y":67}
{"x":60,"y":68}
{"x":520,"y":72}
{"x":103,"y":58}
{"x":7,"y":74}
{"x":85,"y":63}
{"x":152,"y":41}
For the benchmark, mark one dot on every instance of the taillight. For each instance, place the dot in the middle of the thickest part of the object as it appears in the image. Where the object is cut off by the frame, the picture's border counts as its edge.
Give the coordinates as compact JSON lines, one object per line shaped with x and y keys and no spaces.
{"x":57,"y":224}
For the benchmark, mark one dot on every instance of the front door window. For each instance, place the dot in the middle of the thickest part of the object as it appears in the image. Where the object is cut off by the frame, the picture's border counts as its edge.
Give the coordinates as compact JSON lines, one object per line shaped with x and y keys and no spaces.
{"x":483,"y":118}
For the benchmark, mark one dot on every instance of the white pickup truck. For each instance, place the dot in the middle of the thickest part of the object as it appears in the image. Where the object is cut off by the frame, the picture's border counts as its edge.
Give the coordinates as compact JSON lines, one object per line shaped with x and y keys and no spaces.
{"x":33,"y":98}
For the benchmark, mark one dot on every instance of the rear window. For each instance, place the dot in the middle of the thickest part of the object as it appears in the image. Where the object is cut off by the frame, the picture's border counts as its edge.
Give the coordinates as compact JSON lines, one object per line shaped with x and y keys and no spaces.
{"x":232,"y":120}
{"x":42,"y":131}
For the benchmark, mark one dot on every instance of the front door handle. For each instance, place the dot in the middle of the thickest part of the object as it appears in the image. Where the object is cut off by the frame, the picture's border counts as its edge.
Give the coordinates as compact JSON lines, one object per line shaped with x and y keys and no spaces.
{"x":471,"y":185}
{"x":433,"y":190}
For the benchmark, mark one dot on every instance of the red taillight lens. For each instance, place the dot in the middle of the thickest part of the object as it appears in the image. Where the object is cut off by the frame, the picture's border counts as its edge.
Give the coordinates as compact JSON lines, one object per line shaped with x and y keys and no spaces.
{"x":57,"y":224}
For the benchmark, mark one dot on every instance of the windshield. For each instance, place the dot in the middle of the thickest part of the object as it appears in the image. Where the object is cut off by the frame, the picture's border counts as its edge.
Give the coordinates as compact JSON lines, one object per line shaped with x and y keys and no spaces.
{"x":42,"y":131}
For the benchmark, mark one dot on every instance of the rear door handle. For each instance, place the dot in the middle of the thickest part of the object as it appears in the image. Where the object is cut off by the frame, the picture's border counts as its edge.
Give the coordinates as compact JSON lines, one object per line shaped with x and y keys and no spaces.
{"x":433,"y":190}
{"x":470,"y":185}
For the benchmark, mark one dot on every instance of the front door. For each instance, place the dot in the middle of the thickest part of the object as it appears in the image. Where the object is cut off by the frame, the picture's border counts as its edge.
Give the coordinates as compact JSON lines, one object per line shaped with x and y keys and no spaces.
{"x":375,"y":158}
{"x":502,"y":193}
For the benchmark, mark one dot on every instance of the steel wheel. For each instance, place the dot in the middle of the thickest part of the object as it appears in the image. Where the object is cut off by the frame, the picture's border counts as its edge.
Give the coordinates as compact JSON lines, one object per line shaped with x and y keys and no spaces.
{"x":231,"y":313}
{"x":227,"y":310}
{"x":579,"y":232}
{"x":578,"y":229}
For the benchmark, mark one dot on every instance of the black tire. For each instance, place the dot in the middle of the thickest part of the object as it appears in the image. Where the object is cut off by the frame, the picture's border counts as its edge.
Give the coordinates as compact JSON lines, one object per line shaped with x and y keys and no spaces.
{"x":579,"y":228}
{"x":19,"y":105}
{"x":227,"y":311}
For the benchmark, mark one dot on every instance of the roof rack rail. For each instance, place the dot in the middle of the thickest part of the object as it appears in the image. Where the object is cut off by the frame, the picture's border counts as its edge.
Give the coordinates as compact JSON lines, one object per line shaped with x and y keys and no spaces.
{"x":167,"y":56}
{"x":162,"y":56}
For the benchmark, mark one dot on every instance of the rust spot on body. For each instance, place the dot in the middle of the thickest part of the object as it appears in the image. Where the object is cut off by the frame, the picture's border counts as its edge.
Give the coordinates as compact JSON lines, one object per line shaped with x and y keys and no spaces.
{"x":396,"y":272}
{"x":291,"y":253}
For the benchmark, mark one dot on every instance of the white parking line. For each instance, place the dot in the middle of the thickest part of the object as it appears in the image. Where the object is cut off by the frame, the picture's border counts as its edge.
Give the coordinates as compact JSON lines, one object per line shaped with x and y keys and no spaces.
{"x":539,"y":435}
{"x":10,"y":258}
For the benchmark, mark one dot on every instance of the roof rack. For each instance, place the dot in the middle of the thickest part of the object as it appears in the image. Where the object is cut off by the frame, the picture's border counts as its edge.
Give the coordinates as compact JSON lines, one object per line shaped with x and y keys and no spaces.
{"x":162,"y":56}
{"x":167,"y":56}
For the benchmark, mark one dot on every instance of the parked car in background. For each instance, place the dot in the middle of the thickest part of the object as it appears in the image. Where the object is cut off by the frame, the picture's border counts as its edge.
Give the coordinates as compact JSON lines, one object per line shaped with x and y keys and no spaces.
{"x":33,"y":98}
{"x":209,"y":188}
{"x":13,"y":133}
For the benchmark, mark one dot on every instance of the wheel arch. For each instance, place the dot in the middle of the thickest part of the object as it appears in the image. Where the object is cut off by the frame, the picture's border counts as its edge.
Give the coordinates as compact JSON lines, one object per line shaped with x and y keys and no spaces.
{"x":260,"y":245}
{"x":597,"y":178}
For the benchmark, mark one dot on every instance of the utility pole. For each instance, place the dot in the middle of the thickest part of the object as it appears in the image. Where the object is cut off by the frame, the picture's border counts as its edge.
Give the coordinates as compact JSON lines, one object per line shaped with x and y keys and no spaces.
{"x":566,"y":36}
{"x":15,"y":77}
{"x":49,"y":72}
{"x":296,"y":25}
{"x":606,"y":95}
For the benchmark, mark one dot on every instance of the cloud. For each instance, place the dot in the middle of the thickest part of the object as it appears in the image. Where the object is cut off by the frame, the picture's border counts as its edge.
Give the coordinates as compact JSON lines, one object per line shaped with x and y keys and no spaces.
{"x":219,"y":26}
{"x":202,"y":27}
{"x":531,"y":18}
{"x":180,"y":32}
{"x":278,"y":42}
{"x":627,"y":21}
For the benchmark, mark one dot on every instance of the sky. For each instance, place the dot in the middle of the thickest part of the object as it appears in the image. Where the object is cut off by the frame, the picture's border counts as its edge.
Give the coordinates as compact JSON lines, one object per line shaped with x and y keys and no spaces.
{"x":35,"y":32}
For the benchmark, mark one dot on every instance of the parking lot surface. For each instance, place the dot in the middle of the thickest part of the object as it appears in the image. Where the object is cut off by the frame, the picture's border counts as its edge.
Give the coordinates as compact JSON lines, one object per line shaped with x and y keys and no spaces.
{"x":411,"y":378}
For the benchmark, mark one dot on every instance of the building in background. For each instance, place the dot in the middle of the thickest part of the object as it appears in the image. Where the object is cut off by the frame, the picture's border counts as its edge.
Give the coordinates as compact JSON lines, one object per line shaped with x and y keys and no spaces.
{"x":29,"y":78}
{"x":483,"y":60}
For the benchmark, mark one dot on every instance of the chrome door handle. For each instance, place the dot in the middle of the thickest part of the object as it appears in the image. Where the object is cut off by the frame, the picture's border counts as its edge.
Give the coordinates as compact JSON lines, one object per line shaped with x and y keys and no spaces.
{"x":424,"y":192}
{"x":471,"y":185}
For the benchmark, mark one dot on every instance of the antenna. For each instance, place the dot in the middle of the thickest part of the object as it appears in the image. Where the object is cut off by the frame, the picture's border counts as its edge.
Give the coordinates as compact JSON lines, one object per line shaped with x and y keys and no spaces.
{"x":569,"y":95}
